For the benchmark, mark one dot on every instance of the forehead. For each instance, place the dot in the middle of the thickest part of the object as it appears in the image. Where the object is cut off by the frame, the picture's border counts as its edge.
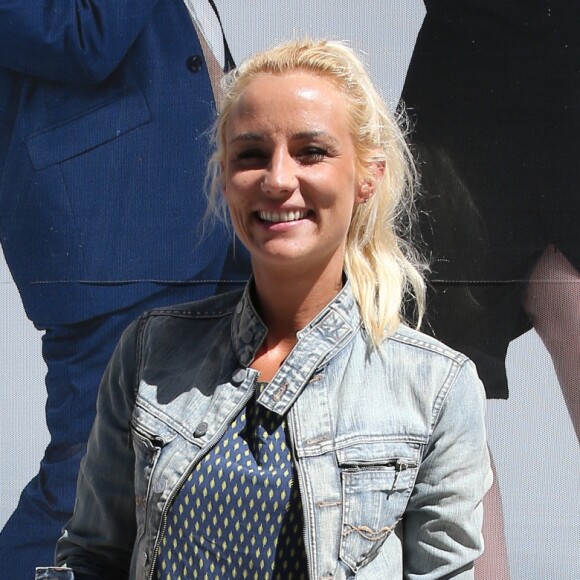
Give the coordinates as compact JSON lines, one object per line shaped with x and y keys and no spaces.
{"x":289,"y":98}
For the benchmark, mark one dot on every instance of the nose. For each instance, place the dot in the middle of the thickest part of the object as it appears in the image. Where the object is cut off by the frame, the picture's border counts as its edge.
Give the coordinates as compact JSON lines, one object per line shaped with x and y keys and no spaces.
{"x":280,"y":176}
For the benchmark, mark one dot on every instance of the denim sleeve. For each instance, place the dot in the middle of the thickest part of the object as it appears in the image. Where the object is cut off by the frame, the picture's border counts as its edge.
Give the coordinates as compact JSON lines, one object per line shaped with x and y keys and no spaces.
{"x":442,"y":525}
{"x":98,"y":539}
{"x":73,"y":41}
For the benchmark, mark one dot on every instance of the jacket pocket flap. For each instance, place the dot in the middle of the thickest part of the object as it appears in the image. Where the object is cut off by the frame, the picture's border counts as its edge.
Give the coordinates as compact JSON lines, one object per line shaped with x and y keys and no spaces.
{"x":104,"y":123}
{"x":151,"y":428}
{"x":378,"y":453}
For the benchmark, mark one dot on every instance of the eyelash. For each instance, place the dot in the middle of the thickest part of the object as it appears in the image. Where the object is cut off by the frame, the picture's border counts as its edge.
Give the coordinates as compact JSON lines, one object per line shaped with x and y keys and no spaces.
{"x":249,"y":154}
{"x":311,"y":154}
{"x":316,"y":153}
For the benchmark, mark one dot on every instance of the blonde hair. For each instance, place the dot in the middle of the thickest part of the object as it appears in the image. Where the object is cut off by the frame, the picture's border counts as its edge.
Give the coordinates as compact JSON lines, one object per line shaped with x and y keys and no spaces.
{"x":384,"y":269}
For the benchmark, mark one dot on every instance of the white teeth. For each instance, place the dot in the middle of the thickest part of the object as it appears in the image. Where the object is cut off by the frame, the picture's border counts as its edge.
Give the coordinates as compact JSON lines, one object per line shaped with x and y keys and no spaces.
{"x":283,"y":216}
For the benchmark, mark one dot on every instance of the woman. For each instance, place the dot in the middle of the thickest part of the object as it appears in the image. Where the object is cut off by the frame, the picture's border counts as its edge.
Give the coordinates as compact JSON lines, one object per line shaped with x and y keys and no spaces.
{"x":297,"y":429}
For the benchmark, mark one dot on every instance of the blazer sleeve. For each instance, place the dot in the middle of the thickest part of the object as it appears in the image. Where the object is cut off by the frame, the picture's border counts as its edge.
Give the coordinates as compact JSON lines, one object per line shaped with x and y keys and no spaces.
{"x":443,"y":521}
{"x":71,"y":41}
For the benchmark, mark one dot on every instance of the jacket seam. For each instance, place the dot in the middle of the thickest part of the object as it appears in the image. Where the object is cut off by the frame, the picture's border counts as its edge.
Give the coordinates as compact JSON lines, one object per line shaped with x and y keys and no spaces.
{"x":139,"y":354}
{"x":448,"y":384}
{"x":437,"y":348}
{"x":155,"y":412}
{"x":188,"y":313}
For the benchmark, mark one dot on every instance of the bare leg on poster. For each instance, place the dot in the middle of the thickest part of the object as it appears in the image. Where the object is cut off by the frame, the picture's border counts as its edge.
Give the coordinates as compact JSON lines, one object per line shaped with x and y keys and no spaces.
{"x":493,"y":564}
{"x":553,"y":304}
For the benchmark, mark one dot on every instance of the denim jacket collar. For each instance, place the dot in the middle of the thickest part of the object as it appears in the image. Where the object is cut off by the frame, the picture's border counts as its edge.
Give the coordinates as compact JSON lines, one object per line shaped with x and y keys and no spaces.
{"x":318,"y":342}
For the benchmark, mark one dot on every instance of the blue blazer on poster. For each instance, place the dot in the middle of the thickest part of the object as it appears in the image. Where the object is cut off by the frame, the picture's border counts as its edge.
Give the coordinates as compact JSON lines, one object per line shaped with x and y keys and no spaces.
{"x":105,"y":107}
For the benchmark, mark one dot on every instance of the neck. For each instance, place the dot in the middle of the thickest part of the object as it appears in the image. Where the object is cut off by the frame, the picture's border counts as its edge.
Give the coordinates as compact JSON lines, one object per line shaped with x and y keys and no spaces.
{"x":288,"y":302}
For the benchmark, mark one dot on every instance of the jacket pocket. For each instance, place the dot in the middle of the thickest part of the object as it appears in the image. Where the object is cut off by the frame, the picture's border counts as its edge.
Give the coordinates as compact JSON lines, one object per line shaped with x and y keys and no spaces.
{"x":104,"y":122}
{"x":377,"y":480}
{"x":147,"y":447}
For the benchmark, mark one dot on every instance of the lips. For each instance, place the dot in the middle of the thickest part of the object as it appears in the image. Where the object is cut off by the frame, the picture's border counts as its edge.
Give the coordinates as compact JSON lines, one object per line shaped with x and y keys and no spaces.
{"x":282,"y":216}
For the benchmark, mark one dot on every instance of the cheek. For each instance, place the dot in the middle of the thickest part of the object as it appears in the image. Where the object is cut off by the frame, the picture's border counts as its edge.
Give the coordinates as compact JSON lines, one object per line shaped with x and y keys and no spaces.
{"x":235,"y":211}
{"x":236,"y":203}
{"x":239,"y":187}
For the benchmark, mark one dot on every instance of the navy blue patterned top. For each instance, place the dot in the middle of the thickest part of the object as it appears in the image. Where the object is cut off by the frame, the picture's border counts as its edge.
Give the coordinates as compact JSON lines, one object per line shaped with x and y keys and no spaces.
{"x":239,"y":514}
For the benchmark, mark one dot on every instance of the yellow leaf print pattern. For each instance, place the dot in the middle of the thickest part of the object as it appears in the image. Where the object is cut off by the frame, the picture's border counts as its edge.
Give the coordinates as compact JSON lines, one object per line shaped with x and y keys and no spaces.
{"x":239,"y":514}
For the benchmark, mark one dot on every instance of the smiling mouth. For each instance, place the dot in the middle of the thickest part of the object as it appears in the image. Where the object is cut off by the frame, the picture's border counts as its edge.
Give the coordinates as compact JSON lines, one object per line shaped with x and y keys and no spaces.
{"x":282,"y":216}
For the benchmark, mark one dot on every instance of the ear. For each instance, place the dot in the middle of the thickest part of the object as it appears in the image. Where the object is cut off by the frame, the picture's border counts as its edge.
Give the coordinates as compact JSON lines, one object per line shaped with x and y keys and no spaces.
{"x":367,"y":186}
{"x":365,"y":191}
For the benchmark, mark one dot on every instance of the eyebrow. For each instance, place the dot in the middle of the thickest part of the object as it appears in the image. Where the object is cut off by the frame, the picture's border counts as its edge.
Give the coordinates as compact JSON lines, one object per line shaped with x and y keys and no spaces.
{"x":259,"y":137}
{"x":248,"y":137}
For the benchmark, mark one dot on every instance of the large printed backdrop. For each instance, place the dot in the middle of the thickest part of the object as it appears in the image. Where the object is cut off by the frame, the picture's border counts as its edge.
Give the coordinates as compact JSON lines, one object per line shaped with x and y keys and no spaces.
{"x":531,"y":435}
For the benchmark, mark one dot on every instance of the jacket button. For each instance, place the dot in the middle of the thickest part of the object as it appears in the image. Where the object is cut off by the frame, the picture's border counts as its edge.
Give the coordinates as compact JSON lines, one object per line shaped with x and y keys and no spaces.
{"x":238,"y":377}
{"x":194,"y":63}
{"x":200,"y":430}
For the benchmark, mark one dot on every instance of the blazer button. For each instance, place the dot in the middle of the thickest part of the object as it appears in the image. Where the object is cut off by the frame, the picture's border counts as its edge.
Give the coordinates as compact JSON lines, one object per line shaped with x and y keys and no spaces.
{"x":200,"y":430}
{"x":194,"y":63}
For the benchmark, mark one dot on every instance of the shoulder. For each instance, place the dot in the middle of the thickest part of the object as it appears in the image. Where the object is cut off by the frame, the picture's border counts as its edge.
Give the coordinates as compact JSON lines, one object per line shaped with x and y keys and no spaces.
{"x":219,"y":306}
{"x":430,"y":367}
{"x":181,"y":338}
{"x":184,"y":325}
{"x":416,"y":340}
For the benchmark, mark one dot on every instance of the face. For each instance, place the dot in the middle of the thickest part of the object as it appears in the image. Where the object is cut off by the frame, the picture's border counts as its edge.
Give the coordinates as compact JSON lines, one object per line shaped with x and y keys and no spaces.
{"x":289,"y":171}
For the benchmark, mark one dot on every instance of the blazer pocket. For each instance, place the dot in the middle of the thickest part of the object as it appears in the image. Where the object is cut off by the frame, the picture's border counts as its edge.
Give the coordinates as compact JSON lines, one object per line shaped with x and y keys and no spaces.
{"x":377,"y":481}
{"x":105,"y":122}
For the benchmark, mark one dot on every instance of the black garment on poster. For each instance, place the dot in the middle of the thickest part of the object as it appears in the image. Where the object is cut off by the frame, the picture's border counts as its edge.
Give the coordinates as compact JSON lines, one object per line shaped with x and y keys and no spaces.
{"x":492,"y":92}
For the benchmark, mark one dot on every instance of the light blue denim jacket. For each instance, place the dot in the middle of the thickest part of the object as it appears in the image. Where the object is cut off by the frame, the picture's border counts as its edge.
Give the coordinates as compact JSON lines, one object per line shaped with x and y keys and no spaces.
{"x":389,"y":443}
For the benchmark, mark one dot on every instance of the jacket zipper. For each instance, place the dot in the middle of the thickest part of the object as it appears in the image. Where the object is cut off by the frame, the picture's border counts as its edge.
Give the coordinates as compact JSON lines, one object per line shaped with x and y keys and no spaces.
{"x":301,"y":487}
{"x":187,"y":473}
{"x":398,"y":465}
